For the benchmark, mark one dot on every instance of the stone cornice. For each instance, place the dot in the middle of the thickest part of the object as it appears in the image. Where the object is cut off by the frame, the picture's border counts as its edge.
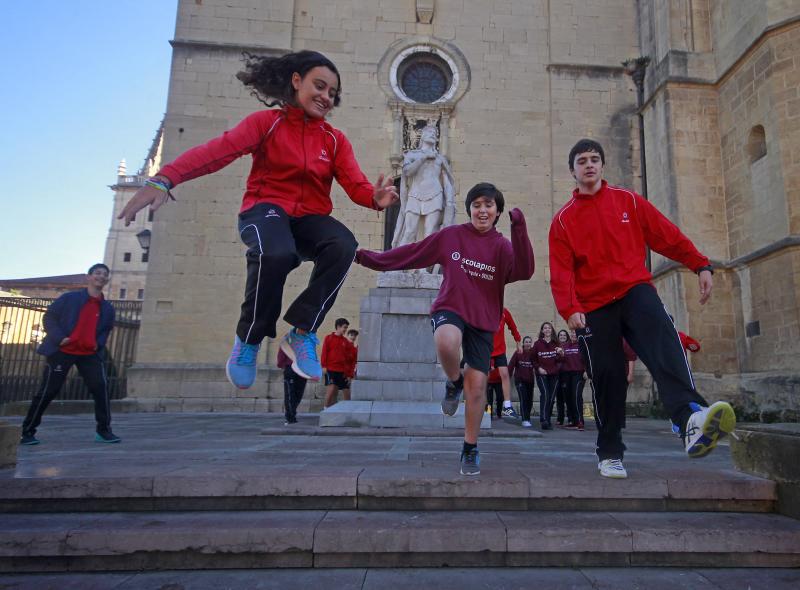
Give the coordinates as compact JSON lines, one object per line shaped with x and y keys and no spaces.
{"x":789,"y":242}
{"x":233,"y":47}
{"x":676,"y":81}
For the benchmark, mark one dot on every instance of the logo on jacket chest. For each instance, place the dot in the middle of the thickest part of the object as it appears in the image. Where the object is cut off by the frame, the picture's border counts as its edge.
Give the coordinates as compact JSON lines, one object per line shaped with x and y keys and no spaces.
{"x":323,"y":155}
{"x":625,"y":218}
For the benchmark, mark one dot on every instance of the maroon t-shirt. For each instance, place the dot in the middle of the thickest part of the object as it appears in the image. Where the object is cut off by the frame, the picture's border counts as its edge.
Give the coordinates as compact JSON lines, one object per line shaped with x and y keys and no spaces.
{"x":521,"y":366}
{"x":573,"y":361}
{"x":476,"y":267}
{"x":546,"y":357}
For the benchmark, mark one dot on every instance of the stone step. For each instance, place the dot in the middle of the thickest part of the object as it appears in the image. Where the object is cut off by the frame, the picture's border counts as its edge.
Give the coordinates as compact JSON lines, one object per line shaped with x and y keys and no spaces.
{"x":127,"y":541}
{"x":515,"y":485}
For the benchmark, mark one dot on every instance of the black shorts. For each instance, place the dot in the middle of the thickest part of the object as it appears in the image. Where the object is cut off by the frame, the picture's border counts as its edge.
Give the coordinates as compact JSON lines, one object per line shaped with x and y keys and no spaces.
{"x":501,"y":360}
{"x":338,"y":379}
{"x":476,"y":345}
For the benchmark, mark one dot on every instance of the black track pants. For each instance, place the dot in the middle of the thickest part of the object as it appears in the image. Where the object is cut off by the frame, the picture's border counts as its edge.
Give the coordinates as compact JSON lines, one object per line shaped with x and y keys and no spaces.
{"x":93,"y":371}
{"x":525,"y":393}
{"x":547,"y":396}
{"x":276,"y":244}
{"x":640,"y":317}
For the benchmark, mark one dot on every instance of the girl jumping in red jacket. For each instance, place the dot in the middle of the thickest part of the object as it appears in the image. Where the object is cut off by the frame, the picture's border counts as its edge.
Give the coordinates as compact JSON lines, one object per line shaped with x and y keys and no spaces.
{"x":285,"y":213}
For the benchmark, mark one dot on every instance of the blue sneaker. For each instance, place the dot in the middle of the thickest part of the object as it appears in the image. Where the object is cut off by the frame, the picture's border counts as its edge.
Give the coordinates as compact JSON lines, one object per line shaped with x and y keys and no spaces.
{"x":106,"y":437}
{"x":241,"y":366}
{"x":29,"y":439}
{"x":302,"y":349}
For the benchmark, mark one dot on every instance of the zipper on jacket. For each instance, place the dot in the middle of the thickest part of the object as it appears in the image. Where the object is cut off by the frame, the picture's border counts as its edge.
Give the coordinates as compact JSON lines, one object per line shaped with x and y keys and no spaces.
{"x":305,"y":163}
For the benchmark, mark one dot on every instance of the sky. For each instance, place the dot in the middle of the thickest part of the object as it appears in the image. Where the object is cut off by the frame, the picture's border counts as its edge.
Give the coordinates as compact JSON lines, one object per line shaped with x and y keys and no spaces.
{"x":84,"y":84}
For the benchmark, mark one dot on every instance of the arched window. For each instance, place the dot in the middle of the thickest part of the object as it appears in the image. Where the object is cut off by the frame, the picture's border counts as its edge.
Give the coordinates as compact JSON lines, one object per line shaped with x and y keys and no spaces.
{"x":757,"y":143}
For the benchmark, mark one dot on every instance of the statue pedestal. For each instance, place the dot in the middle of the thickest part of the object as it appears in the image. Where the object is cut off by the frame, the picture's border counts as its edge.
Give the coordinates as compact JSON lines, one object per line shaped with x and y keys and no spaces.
{"x":400,"y":383}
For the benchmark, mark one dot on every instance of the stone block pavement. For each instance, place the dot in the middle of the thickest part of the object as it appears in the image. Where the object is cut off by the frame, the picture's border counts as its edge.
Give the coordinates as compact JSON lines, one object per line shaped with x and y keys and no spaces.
{"x":233,"y":457}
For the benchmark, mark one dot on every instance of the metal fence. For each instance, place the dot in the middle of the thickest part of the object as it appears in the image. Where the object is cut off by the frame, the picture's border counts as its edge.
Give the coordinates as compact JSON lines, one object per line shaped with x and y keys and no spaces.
{"x":21,"y":331}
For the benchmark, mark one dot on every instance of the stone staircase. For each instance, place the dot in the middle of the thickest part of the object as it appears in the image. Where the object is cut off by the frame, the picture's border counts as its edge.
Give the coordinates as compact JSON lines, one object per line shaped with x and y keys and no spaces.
{"x":394,"y":515}
{"x":220,"y":491}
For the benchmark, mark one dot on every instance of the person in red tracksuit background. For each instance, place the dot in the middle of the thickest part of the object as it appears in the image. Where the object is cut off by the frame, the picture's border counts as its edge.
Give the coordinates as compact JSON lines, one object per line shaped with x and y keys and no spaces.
{"x":285,"y":213}
{"x":500,"y":361}
{"x":546,"y":367}
{"x":338,"y":354}
{"x":604,"y":291}
{"x":494,"y":391}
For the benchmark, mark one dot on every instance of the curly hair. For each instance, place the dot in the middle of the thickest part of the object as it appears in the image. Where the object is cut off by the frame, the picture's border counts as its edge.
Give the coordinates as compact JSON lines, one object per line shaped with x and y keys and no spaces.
{"x":270,"y":78}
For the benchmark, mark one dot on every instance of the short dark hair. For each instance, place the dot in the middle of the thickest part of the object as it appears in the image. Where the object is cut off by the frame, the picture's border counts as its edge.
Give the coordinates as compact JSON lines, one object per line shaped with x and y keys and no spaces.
{"x":490,"y":191}
{"x":341,"y":322}
{"x":352,"y":332}
{"x":586,"y":145}
{"x":96,"y":266}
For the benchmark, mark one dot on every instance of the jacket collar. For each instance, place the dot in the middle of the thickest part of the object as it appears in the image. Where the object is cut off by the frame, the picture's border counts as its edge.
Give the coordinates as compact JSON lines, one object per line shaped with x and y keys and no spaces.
{"x":603,"y":187}
{"x":298,"y":116}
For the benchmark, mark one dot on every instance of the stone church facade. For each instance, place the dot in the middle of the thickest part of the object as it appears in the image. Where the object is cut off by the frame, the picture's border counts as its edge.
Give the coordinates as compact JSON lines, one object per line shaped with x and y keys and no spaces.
{"x":511,"y":85}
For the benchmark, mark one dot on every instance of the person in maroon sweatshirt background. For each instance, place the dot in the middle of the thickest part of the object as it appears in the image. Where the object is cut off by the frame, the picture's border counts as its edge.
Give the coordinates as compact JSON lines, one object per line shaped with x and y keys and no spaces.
{"x":337,"y":360}
{"x":545,"y":364}
{"x":562,"y":337}
{"x":520,"y":368}
{"x":77,"y":325}
{"x":604,"y":291}
{"x":285,"y":213}
{"x":571,"y":378}
{"x":477,"y":262}
{"x":494,"y":390}
{"x":500,"y":361}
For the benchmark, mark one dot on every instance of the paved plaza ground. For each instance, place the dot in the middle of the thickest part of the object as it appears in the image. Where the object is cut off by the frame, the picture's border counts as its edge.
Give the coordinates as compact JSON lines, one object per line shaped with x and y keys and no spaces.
{"x":220,"y":448}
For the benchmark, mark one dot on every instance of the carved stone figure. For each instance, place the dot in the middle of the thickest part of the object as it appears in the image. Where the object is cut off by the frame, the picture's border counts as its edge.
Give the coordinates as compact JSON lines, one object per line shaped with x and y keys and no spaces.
{"x":427,"y":191}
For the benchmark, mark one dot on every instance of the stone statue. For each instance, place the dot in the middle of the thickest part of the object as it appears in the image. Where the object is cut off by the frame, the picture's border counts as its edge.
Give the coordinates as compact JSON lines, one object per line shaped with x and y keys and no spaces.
{"x":427,"y":191}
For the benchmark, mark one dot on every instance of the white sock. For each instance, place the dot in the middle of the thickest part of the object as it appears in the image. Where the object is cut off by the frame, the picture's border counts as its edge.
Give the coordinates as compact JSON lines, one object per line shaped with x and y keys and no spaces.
{"x":506,"y":404}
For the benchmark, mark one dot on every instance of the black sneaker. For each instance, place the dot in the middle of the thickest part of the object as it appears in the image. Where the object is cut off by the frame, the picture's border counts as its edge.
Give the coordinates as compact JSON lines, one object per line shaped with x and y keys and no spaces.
{"x":290,"y":421}
{"x":470,"y":462}
{"x":107,"y":437}
{"x":452,"y":397}
{"x":547,"y":426}
{"x":510,"y":415}
{"x":29,"y":439}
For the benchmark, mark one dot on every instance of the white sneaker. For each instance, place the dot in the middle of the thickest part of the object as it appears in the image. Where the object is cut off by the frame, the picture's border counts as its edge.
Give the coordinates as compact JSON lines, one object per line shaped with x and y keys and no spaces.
{"x":612,"y":468}
{"x":706,"y":427}
{"x":526,"y":424}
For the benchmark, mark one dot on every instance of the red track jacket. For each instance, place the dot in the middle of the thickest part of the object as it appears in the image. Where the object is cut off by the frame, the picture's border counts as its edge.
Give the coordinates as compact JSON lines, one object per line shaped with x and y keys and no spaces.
{"x":338,"y":354}
{"x":499,"y":343}
{"x":295,"y":159}
{"x":598,"y":244}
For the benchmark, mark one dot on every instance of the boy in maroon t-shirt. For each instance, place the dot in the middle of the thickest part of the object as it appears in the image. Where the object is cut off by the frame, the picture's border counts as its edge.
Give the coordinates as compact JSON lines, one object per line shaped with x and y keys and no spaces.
{"x":477,"y":262}
{"x":77,"y":325}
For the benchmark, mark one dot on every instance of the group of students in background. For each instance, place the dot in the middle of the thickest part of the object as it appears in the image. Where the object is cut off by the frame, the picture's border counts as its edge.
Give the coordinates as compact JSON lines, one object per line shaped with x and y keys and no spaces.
{"x":553,"y":364}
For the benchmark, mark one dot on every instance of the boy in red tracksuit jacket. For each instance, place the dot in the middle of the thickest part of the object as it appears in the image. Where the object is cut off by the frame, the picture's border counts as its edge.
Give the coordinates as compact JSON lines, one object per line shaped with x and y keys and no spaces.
{"x":337,"y":362}
{"x":520,"y":368}
{"x":477,"y":262}
{"x":285,"y":213}
{"x":494,"y":391}
{"x":501,"y":362}
{"x":601,"y":287}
